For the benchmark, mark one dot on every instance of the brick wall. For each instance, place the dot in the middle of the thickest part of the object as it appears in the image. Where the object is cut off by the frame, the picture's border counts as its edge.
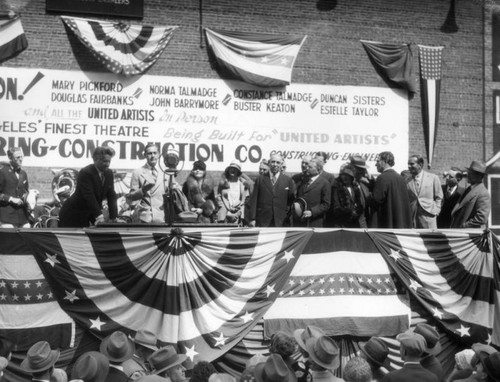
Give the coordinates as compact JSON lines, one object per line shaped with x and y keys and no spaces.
{"x":332,"y":53}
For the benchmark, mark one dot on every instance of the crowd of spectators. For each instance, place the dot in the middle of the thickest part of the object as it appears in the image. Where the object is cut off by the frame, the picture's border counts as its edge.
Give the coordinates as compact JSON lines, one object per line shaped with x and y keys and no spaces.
{"x":312,"y":198}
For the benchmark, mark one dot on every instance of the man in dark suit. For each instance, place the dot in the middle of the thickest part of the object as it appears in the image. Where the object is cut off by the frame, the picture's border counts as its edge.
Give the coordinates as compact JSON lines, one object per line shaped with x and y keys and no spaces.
{"x":317,"y":196}
{"x":390,"y":195}
{"x":412,"y":346}
{"x":14,"y":189}
{"x":452,"y":191}
{"x":272,"y":196}
{"x":473,"y":208}
{"x":94,"y":184}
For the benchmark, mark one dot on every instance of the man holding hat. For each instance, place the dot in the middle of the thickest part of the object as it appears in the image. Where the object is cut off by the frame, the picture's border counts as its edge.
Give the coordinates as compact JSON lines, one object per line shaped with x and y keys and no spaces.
{"x":117,"y":348}
{"x":165,"y":362}
{"x":324,"y":355}
{"x":40,"y":361}
{"x":429,"y":360}
{"x":145,"y":346}
{"x":412,"y":346}
{"x":473,"y":207}
{"x":375,"y":351}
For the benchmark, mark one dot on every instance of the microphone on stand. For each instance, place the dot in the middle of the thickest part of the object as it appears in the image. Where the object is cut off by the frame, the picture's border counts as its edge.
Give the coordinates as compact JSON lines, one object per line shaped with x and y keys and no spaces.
{"x":171,"y":160}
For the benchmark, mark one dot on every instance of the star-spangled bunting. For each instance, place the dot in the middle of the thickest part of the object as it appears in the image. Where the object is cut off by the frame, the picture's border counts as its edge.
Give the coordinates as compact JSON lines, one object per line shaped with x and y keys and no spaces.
{"x":199,"y":290}
{"x":121,"y":48}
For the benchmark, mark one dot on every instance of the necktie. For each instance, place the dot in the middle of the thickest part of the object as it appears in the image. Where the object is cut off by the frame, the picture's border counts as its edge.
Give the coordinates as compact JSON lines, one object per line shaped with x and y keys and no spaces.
{"x":154,"y":172}
{"x":102,"y":178}
{"x":417,"y":184}
{"x":273,"y":180}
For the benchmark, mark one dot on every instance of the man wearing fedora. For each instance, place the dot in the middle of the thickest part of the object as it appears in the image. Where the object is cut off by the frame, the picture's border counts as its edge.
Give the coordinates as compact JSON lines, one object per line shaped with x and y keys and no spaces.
{"x":272,"y":196}
{"x":426,"y":195}
{"x":165,"y":362}
{"x":274,"y":369}
{"x":364,"y":182}
{"x":488,"y":370}
{"x":429,"y":360}
{"x":39,"y":361}
{"x":145,"y":345}
{"x":412,"y":346}
{"x":91,"y":366}
{"x":473,"y":207}
{"x":375,"y":351}
{"x":302,"y":369}
{"x":117,"y":348}
{"x":324,"y":355}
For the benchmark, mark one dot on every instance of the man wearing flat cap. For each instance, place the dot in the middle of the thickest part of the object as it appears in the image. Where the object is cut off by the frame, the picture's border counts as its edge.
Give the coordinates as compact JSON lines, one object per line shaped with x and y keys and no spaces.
{"x":412,"y":346}
{"x":117,"y":348}
{"x":145,"y":345}
{"x":165,"y":362}
{"x":473,"y":208}
{"x":39,"y":361}
{"x":429,"y":360}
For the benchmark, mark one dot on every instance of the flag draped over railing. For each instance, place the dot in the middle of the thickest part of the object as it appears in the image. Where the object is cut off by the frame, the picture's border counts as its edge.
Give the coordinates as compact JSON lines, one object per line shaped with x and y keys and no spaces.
{"x":200,"y":290}
{"x":261,"y":59}
{"x":12,"y":37}
{"x":430,"y":74}
{"x":121,"y":48}
{"x":394,"y":62}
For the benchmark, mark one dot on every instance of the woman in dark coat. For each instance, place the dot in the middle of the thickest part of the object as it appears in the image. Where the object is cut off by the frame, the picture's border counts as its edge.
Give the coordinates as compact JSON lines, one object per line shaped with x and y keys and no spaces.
{"x":199,"y":190}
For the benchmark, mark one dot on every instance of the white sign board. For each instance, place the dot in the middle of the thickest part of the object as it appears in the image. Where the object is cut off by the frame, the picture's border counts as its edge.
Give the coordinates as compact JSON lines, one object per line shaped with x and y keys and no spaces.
{"x":58,"y":117}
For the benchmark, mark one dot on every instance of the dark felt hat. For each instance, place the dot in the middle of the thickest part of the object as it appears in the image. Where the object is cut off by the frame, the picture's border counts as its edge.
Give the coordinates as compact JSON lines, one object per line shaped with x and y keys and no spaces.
{"x":302,"y":335}
{"x":299,"y":205}
{"x":431,"y":336}
{"x":413,"y":343}
{"x":91,"y":366}
{"x":324,"y":352}
{"x":117,"y":347}
{"x":358,"y":161}
{"x":273,"y":370}
{"x":40,"y":357}
{"x":376,"y":351}
{"x":199,"y":165}
{"x":146,"y":338}
{"x":165,"y":358}
{"x":491,"y":365}
{"x":235,"y":166}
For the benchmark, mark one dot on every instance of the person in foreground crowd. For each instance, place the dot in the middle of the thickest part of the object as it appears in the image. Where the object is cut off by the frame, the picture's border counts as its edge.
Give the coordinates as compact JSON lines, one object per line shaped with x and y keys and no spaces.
{"x":433,"y":347}
{"x":91,"y":366}
{"x":316,"y":194}
{"x":412,"y":346}
{"x":221,"y":377}
{"x":324,"y":355}
{"x":390,"y":195}
{"x":200,"y":192}
{"x":284,"y":345}
{"x":452,"y":191}
{"x":375,"y":351}
{"x":273,"y":369}
{"x":202,"y":371}
{"x":488,"y":368}
{"x":14,"y":190}
{"x":272,"y":196}
{"x":147,"y":188}
{"x":426,"y":195}
{"x":40,"y":361}
{"x":302,"y":369}
{"x":357,"y":369}
{"x":95,"y":183}
{"x":117,"y":348}
{"x":473,"y":207}
{"x":166,"y":363}
{"x":145,"y":345}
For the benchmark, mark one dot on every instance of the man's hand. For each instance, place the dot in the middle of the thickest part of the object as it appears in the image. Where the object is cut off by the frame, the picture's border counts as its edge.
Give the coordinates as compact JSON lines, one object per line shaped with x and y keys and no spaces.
{"x":147,"y":187}
{"x":307,"y":214}
{"x":16,"y":201}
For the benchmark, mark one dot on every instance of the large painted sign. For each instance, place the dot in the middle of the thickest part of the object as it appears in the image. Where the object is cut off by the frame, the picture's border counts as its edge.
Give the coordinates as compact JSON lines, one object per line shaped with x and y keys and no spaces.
{"x":59,"y":117}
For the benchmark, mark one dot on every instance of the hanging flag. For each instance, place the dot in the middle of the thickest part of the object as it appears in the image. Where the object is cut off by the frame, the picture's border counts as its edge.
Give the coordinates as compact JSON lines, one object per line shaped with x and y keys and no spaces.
{"x":12,"y":37}
{"x":200,"y":290}
{"x":260,"y":59}
{"x":29,"y":311}
{"x":121,"y":48}
{"x":394,"y":62}
{"x":342,"y":284}
{"x":454,"y":276}
{"x":430,"y":75}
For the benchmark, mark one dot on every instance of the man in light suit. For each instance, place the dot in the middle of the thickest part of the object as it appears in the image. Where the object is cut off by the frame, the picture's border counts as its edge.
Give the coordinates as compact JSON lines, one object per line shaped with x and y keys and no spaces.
{"x":473,"y":207}
{"x":148,"y":187}
{"x":95,"y":183}
{"x":426,"y":195}
{"x":317,"y":196}
{"x":14,"y":189}
{"x":272,"y":196}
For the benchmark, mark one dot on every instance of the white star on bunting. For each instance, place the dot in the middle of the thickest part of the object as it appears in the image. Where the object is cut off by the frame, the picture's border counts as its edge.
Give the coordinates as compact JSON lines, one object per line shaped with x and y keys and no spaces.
{"x":288,"y":256}
{"x":270,"y":290}
{"x":220,"y":341}
{"x":71,"y":296}
{"x":464,"y":331}
{"x":414,"y":285}
{"x":97,"y":323}
{"x":52,"y":260}
{"x":395,"y":255}
{"x":191,"y":353}
{"x":247,"y":317}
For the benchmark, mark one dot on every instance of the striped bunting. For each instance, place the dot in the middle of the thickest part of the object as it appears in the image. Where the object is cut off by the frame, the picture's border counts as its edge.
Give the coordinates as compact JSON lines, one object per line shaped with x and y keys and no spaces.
{"x":28,"y":310}
{"x":12,"y":37}
{"x":342,"y":284}
{"x":256,"y":58}
{"x":121,"y":48}
{"x":453,"y":275}
{"x":200,"y":290}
